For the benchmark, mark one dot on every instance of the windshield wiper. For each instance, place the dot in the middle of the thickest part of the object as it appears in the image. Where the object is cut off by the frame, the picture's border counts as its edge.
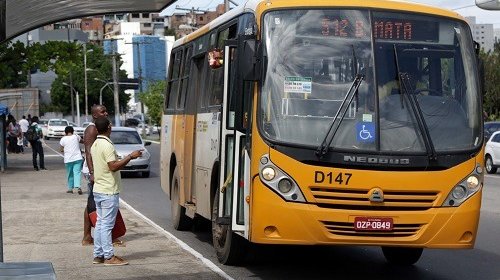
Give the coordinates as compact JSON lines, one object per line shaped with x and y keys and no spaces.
{"x":404,"y":89}
{"x":334,"y":126}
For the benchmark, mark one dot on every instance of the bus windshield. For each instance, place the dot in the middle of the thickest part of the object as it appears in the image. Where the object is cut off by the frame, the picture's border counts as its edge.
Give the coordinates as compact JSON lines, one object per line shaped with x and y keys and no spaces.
{"x":313,"y":57}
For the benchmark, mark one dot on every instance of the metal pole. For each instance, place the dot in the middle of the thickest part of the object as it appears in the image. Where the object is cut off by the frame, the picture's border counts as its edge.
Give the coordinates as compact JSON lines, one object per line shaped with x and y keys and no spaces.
{"x":77,"y":108}
{"x":138,"y":44}
{"x":100,"y":93}
{"x":116,"y":91}
{"x":226,"y":5}
{"x":85,"y":78}
{"x":72,"y":99}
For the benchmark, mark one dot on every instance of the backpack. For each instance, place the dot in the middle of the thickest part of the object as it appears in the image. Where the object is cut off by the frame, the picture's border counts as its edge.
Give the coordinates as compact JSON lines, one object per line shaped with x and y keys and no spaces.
{"x":31,"y":134}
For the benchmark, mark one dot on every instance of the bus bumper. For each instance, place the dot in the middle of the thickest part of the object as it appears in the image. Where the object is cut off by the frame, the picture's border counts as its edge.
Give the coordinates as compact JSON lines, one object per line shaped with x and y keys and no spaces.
{"x":275,"y":221}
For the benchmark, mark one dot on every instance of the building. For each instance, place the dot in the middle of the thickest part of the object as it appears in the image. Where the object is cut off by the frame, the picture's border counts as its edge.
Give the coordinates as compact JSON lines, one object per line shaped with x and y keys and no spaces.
{"x":185,"y":23}
{"x":482,"y":33}
{"x":143,"y":56}
{"x":94,"y":27}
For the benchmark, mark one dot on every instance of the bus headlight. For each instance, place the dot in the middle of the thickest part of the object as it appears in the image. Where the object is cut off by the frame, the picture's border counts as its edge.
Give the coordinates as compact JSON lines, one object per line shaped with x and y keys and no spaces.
{"x":268,"y":173}
{"x":459,"y":192}
{"x":464,"y":189}
{"x":278,"y":181}
{"x":285,"y":185}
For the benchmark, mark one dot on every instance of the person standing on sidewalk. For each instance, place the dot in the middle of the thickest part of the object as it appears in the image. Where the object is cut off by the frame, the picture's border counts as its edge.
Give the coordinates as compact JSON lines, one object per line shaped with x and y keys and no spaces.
{"x":70,"y":145}
{"x":36,"y":143}
{"x":89,"y":136}
{"x":24,"y":124}
{"x":107,"y":187}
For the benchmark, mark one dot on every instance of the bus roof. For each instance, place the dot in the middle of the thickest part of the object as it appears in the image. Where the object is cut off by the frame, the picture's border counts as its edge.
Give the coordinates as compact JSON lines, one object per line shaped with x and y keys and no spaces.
{"x":259,"y":6}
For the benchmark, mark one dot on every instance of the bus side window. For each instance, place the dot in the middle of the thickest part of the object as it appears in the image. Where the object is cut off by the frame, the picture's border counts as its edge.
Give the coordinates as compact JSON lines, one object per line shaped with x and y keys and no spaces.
{"x":181,"y":100}
{"x":217,"y":75}
{"x":173,"y":84}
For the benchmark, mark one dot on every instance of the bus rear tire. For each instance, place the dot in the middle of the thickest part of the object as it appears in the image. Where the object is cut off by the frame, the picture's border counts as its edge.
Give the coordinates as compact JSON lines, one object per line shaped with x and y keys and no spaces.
{"x":179,"y":219}
{"x":230,"y":248}
{"x":401,"y":255}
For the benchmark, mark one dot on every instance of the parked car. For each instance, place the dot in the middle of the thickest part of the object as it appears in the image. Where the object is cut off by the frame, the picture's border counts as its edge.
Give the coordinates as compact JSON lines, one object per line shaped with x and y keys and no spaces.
{"x":147,"y":129}
{"x":55,"y":128}
{"x":85,"y":124}
{"x":490,"y":128}
{"x":77,"y":129}
{"x":43,"y":124}
{"x":127,"y":140}
{"x":492,"y":153}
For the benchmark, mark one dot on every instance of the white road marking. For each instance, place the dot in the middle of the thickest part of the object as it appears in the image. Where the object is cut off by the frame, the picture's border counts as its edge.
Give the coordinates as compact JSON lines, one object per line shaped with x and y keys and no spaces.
{"x":181,"y":243}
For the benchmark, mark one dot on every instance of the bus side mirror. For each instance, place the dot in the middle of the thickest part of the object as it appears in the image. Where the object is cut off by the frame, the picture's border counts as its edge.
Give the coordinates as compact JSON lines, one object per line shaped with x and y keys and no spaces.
{"x":249,"y":58}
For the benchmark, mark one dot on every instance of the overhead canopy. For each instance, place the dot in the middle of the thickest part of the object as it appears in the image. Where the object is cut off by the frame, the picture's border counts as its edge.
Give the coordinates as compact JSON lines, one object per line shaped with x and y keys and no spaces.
{"x":20,"y":16}
{"x":4,"y":110}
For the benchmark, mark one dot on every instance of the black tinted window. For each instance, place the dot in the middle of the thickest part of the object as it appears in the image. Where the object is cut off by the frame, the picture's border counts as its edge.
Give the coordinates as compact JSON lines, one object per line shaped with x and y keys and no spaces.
{"x":125,"y":137}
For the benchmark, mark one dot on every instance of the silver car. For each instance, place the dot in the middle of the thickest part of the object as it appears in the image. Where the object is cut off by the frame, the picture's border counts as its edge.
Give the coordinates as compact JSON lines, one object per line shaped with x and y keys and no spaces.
{"x":127,"y":140}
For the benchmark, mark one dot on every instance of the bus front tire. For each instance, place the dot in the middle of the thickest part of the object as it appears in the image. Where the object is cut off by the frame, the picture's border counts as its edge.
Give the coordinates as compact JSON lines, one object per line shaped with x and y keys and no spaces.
{"x":401,"y":255}
{"x":179,"y":219}
{"x":490,"y":168}
{"x":230,"y":248}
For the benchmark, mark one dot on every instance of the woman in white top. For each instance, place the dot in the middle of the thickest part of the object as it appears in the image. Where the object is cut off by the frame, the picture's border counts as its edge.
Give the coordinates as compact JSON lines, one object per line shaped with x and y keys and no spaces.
{"x":70,"y":145}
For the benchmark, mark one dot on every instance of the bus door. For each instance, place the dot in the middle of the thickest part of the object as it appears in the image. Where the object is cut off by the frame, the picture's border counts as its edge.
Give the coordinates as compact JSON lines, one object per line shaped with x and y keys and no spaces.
{"x":235,"y":162}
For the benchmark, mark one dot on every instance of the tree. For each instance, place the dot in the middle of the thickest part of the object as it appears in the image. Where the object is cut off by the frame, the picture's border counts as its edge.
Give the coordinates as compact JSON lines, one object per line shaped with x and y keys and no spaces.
{"x":72,"y":68}
{"x":491,"y":98}
{"x":153,"y":99}
{"x":13,"y":68}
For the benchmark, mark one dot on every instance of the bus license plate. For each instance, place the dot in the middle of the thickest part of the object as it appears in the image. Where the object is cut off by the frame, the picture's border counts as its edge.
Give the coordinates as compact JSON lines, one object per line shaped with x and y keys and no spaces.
{"x":372,"y":224}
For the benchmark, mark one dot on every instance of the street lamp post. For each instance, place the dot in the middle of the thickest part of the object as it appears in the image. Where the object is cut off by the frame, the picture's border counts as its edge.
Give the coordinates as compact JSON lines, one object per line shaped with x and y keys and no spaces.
{"x":77,"y":102}
{"x":106,"y":84}
{"x":85,"y":51}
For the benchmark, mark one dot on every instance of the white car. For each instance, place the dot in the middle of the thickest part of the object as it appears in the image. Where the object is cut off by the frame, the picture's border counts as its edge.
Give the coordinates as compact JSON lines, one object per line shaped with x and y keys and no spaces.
{"x":55,"y":128}
{"x":127,"y":140}
{"x":492,"y":153}
{"x":43,"y":124}
{"x":77,"y":129}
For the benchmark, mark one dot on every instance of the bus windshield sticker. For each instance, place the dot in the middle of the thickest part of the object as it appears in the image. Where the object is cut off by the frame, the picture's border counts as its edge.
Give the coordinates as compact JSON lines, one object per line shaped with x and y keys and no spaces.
{"x":365,"y":132}
{"x":367,"y":118}
{"x":298,"y":85}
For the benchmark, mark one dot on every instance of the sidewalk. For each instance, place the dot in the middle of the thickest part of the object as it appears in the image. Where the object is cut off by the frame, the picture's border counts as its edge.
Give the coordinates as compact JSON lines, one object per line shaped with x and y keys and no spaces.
{"x":41,"y":222}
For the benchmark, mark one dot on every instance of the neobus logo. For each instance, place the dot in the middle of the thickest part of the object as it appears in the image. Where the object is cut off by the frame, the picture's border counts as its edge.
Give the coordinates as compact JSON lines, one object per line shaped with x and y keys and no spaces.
{"x":377,"y":160}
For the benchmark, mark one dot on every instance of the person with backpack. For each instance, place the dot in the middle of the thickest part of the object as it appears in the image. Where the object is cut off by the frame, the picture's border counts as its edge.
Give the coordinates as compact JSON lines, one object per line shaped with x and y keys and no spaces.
{"x":34,"y":135}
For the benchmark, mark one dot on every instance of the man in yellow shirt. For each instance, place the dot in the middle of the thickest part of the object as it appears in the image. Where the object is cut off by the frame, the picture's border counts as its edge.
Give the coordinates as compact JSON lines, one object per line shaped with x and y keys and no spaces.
{"x":107,"y":187}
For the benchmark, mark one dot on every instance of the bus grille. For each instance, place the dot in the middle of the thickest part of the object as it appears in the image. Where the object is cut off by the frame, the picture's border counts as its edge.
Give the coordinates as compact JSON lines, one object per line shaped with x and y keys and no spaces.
{"x":347,"y":229}
{"x":358,"y":199}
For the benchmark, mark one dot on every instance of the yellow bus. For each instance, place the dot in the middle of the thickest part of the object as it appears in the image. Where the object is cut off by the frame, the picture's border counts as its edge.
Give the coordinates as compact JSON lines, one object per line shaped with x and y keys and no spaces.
{"x":326,"y":123}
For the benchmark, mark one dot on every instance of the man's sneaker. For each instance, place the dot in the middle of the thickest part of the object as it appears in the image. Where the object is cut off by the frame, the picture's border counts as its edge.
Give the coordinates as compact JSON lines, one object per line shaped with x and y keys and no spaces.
{"x":114,"y":260}
{"x":80,"y":191}
{"x":98,"y":260}
{"x":69,"y":191}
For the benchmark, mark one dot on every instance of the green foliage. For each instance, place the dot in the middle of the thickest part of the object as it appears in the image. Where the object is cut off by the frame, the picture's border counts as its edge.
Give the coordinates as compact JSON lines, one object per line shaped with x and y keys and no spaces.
{"x":491,"y":98}
{"x":70,"y":69}
{"x":13,"y":67}
{"x":153,"y":99}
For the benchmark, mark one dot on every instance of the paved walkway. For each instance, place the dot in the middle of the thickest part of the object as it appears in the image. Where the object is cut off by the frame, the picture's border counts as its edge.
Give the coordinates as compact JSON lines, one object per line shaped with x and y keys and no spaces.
{"x":41,"y":222}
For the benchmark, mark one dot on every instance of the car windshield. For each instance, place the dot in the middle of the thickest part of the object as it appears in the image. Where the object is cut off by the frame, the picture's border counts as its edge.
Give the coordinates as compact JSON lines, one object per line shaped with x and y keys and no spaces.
{"x":125,"y":137}
{"x":58,"y":123}
{"x":313,"y":56}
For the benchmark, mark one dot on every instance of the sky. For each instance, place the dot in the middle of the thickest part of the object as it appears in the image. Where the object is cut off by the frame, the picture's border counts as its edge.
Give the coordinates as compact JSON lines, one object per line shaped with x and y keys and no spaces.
{"x":463,"y":7}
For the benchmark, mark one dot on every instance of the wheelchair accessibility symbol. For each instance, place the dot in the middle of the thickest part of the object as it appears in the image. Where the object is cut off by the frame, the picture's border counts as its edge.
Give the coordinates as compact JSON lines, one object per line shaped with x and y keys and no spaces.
{"x":365,"y":132}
